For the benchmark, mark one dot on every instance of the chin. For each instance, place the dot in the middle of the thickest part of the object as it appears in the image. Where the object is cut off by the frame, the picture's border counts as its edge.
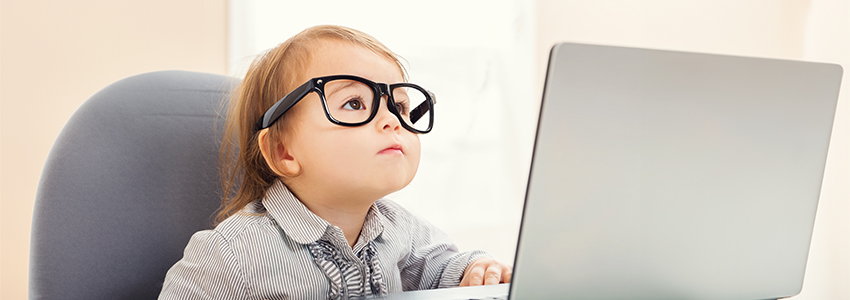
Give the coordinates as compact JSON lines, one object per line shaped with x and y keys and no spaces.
{"x":394,"y":184}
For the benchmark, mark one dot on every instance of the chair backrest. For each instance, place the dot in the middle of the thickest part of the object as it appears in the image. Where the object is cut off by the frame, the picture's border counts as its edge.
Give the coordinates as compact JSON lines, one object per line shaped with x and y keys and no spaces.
{"x":131,"y":176}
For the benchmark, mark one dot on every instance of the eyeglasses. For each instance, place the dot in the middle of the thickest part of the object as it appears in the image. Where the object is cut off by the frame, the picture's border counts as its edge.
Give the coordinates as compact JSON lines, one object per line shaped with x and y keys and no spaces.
{"x":354,"y":101}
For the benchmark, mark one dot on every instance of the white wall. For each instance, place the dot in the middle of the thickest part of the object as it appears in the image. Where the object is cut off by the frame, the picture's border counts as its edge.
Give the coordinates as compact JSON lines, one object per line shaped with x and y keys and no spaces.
{"x":827,"y":38}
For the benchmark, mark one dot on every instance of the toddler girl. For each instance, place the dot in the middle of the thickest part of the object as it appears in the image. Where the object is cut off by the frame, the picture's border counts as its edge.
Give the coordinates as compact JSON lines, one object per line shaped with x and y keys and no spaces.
{"x":325,"y":126}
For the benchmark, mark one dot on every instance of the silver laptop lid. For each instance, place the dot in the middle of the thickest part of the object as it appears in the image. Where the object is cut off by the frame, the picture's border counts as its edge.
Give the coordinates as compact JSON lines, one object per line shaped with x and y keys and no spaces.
{"x":670,"y":175}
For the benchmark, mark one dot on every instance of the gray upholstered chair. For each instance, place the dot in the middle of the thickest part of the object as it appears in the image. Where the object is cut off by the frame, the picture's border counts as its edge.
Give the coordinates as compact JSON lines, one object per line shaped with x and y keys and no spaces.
{"x":131,"y":176}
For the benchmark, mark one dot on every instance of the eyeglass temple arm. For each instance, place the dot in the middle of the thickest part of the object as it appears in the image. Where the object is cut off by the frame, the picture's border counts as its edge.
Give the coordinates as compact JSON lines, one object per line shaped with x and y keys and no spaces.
{"x":281,"y":106}
{"x":423,"y":108}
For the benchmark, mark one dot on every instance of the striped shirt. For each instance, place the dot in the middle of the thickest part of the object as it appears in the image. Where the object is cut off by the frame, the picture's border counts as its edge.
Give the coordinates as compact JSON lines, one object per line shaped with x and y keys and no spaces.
{"x":276,"y":248}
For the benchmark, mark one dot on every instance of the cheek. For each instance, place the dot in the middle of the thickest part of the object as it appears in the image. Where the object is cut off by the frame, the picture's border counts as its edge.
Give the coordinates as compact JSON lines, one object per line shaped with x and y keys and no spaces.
{"x":315,"y":143}
{"x":326,"y":152}
{"x":336,"y":151}
{"x":417,"y":151}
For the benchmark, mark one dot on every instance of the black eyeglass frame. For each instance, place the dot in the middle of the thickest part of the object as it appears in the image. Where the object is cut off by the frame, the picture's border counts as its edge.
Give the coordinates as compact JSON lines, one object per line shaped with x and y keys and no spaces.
{"x":378,"y":90}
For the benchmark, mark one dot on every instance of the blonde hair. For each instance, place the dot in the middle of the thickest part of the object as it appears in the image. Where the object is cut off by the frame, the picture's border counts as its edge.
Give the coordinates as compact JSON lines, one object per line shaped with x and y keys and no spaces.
{"x":245,"y":175}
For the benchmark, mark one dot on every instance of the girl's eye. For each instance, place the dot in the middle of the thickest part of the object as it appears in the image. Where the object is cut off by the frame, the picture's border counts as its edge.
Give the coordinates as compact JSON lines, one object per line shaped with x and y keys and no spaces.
{"x":353,"y":104}
{"x":401,"y":107}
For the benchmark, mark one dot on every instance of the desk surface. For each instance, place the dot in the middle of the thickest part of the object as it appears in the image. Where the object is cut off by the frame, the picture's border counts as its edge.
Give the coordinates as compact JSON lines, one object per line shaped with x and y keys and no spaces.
{"x":453,"y":293}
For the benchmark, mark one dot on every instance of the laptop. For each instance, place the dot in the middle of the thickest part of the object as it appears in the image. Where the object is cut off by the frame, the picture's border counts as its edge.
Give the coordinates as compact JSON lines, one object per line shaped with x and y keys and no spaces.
{"x":670,"y":175}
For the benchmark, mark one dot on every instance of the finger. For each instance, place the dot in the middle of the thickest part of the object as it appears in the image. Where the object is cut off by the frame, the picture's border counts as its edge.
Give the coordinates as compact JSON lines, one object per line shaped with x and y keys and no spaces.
{"x":507,"y":272}
{"x":465,"y":280}
{"x":492,"y":274}
{"x":475,"y":275}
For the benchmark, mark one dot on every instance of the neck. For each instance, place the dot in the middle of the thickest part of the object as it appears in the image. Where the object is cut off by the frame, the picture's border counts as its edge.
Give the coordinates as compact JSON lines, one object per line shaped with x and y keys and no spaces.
{"x":347,"y":214}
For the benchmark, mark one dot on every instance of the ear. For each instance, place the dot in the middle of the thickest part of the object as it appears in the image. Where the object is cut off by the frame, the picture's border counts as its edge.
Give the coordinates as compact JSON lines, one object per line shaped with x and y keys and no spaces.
{"x":277,"y":156}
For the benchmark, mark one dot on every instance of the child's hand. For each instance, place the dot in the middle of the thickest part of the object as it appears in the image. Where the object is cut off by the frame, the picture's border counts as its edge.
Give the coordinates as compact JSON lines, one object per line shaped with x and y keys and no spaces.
{"x":484,"y":271}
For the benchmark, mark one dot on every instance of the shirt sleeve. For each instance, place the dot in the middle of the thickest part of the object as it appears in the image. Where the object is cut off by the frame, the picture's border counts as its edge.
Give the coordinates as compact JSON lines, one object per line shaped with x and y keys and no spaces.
{"x":208,"y":270}
{"x":434,"y":260}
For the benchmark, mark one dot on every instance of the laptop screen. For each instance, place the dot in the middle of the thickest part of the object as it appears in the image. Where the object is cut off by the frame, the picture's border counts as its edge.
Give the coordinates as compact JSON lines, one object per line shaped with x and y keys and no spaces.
{"x":661,"y":174}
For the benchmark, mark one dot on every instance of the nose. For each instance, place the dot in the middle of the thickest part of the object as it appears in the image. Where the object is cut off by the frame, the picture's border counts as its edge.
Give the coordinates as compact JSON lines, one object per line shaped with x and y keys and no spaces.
{"x":385,"y":119}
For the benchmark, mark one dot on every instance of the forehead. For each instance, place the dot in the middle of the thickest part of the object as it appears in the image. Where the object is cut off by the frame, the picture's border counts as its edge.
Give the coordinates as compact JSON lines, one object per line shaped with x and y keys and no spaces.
{"x":335,"y":57}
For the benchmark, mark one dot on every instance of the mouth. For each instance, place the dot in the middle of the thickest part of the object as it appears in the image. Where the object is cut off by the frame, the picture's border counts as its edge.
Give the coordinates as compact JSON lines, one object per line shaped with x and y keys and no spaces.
{"x":394,"y":149}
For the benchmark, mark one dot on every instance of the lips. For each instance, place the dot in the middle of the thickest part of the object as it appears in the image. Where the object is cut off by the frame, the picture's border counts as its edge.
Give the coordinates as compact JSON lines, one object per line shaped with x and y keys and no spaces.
{"x":394,"y":149}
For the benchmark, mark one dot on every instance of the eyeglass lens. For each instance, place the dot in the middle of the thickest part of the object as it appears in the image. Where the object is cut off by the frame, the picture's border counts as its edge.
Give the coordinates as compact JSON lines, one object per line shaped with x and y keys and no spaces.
{"x":351,"y":101}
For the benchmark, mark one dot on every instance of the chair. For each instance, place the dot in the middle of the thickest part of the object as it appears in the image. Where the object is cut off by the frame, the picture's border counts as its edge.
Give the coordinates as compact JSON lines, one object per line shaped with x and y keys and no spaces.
{"x":131,"y":176}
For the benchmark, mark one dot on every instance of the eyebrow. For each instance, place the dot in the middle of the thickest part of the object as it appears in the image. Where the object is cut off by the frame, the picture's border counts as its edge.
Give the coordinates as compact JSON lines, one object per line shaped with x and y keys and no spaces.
{"x":341,"y":87}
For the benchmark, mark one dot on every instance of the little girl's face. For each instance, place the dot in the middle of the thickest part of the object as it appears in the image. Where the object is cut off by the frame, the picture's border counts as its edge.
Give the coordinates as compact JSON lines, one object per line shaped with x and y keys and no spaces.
{"x":365,"y":162}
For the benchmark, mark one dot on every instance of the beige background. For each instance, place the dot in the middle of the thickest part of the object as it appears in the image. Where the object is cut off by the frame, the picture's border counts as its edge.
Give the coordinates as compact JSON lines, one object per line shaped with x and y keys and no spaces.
{"x":55,"y":54}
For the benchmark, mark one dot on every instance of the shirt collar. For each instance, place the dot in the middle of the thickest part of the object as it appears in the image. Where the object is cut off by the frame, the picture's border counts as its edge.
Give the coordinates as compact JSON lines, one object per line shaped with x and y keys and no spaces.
{"x":373,"y":226}
{"x":305,"y":227}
